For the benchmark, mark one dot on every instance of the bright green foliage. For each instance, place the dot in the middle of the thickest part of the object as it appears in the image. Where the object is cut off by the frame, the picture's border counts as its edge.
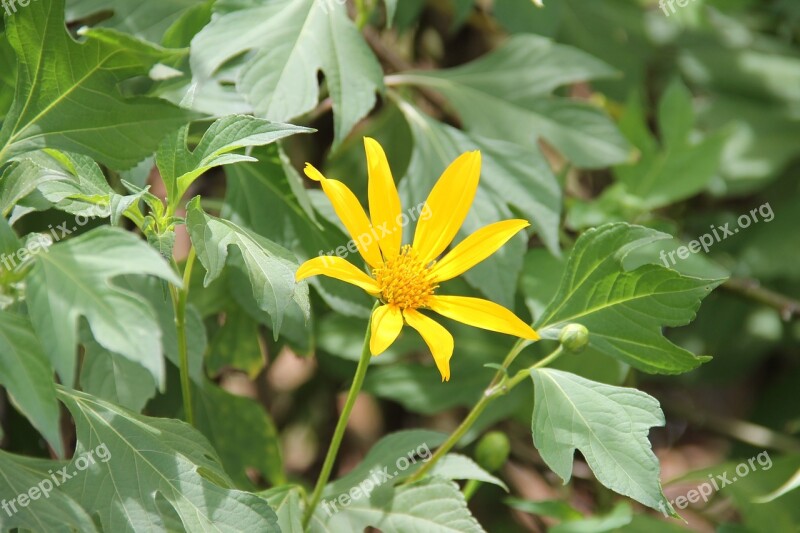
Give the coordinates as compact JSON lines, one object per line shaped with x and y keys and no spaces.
{"x":625,"y":310}
{"x":180,"y":166}
{"x":242,"y":433}
{"x":25,"y":372}
{"x":618,"y":130}
{"x":455,"y":466}
{"x":607,"y":424}
{"x":114,"y":378}
{"x":169,"y":463}
{"x":515,"y":177}
{"x":148,"y":19}
{"x":67,"y":97}
{"x":270,"y":267}
{"x":507,"y":95}
{"x":291,"y":40}
{"x":73,"y":280}
{"x":60,"y":513}
{"x":436,"y":506}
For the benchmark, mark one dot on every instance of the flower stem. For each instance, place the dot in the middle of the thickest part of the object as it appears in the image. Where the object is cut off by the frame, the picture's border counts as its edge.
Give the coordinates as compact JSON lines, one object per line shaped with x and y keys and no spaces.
{"x":499,"y":386}
{"x":341,"y":425}
{"x":179,"y":300}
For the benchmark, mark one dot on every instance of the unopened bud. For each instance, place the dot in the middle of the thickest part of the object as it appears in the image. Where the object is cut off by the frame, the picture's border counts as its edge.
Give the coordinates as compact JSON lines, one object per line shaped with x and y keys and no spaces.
{"x":574,"y":337}
{"x":492,"y":451}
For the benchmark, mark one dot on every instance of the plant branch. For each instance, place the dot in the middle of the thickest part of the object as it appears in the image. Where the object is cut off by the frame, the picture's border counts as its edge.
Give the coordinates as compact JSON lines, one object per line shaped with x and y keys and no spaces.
{"x":747,"y":432}
{"x":341,"y":426}
{"x":751,"y":288}
{"x":500,"y":385}
{"x":180,"y":297}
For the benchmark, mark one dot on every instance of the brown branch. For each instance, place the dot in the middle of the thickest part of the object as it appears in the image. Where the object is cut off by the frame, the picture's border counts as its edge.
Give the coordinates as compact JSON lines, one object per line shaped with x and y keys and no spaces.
{"x":751,"y":288}
{"x":396,"y":63}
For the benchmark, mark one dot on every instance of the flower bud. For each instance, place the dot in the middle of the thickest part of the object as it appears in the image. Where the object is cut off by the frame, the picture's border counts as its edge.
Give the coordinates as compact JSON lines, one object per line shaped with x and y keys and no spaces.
{"x":574,"y":337}
{"x":492,"y":451}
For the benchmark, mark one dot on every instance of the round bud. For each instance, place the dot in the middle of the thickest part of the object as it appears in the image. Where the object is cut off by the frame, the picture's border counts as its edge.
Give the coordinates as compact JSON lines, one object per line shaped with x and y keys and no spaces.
{"x":574,"y":337}
{"x":492,"y":451}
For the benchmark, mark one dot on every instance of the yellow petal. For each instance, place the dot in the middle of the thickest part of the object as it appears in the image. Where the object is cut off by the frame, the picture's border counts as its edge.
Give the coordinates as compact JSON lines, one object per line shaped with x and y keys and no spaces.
{"x":436,"y":337}
{"x":336,"y":267}
{"x":449,"y":203}
{"x":384,"y":202}
{"x":476,"y":248}
{"x":352,"y":215}
{"x":387,"y":321}
{"x":481,"y":314}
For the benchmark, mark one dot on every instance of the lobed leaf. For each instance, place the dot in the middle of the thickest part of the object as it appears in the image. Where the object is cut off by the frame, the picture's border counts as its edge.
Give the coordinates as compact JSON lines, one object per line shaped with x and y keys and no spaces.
{"x":609,"y":426}
{"x":67,"y":96}
{"x":625,"y":310}
{"x":271,"y":267}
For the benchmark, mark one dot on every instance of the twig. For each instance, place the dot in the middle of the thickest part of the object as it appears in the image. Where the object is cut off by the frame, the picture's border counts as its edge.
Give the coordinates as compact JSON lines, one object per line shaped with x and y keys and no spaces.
{"x":751,"y":288}
{"x":753,"y":434}
{"x":396,"y":63}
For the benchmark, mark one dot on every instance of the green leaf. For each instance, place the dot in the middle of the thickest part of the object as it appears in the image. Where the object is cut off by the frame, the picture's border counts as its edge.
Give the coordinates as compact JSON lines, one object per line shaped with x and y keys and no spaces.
{"x":114,"y":378}
{"x":67,"y":95}
{"x":242,"y":432}
{"x":619,"y":517}
{"x":179,"y":166}
{"x":433,"y":506}
{"x":151,"y":462}
{"x":679,"y":168}
{"x":236,"y":344}
{"x":73,"y":279}
{"x":571,"y":520}
{"x":57,"y":512}
{"x":790,"y":485}
{"x":269,"y":198}
{"x":418,"y":388}
{"x":288,"y":42}
{"x":75,"y":183}
{"x":152,"y":291}
{"x":271,"y":267}
{"x":625,"y":310}
{"x":285,"y":501}
{"x":456,"y":466}
{"x":21,"y":178}
{"x":147,"y":20}
{"x":555,"y":508}
{"x":514,"y":177}
{"x":609,"y":426}
{"x":391,"y":9}
{"x":384,"y":457}
{"x":26,"y":374}
{"x":507,"y":95}
{"x":675,"y":114}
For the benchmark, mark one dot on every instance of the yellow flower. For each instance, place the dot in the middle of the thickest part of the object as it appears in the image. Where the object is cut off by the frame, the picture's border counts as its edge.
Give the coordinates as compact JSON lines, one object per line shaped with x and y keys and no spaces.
{"x":405,"y":278}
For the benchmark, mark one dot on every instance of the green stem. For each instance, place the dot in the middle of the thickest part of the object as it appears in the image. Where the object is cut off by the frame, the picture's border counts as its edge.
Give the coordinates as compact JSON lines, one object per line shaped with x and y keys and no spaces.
{"x":362,"y":14}
{"x":179,"y":300}
{"x":341,"y":426}
{"x":498,"y":387}
{"x":470,"y":488}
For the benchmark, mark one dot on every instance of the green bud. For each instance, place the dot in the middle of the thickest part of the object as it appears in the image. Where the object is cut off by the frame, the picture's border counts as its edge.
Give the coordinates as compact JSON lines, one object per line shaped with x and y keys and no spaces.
{"x":574,"y":337}
{"x":492,"y":451}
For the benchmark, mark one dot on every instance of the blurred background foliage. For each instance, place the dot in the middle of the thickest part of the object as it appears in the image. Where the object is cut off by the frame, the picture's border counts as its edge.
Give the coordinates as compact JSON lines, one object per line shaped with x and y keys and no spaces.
{"x":586,"y":111}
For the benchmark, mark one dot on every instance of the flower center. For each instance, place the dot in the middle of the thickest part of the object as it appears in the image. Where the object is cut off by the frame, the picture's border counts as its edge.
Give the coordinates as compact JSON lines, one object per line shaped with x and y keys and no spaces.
{"x":405,"y":281}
